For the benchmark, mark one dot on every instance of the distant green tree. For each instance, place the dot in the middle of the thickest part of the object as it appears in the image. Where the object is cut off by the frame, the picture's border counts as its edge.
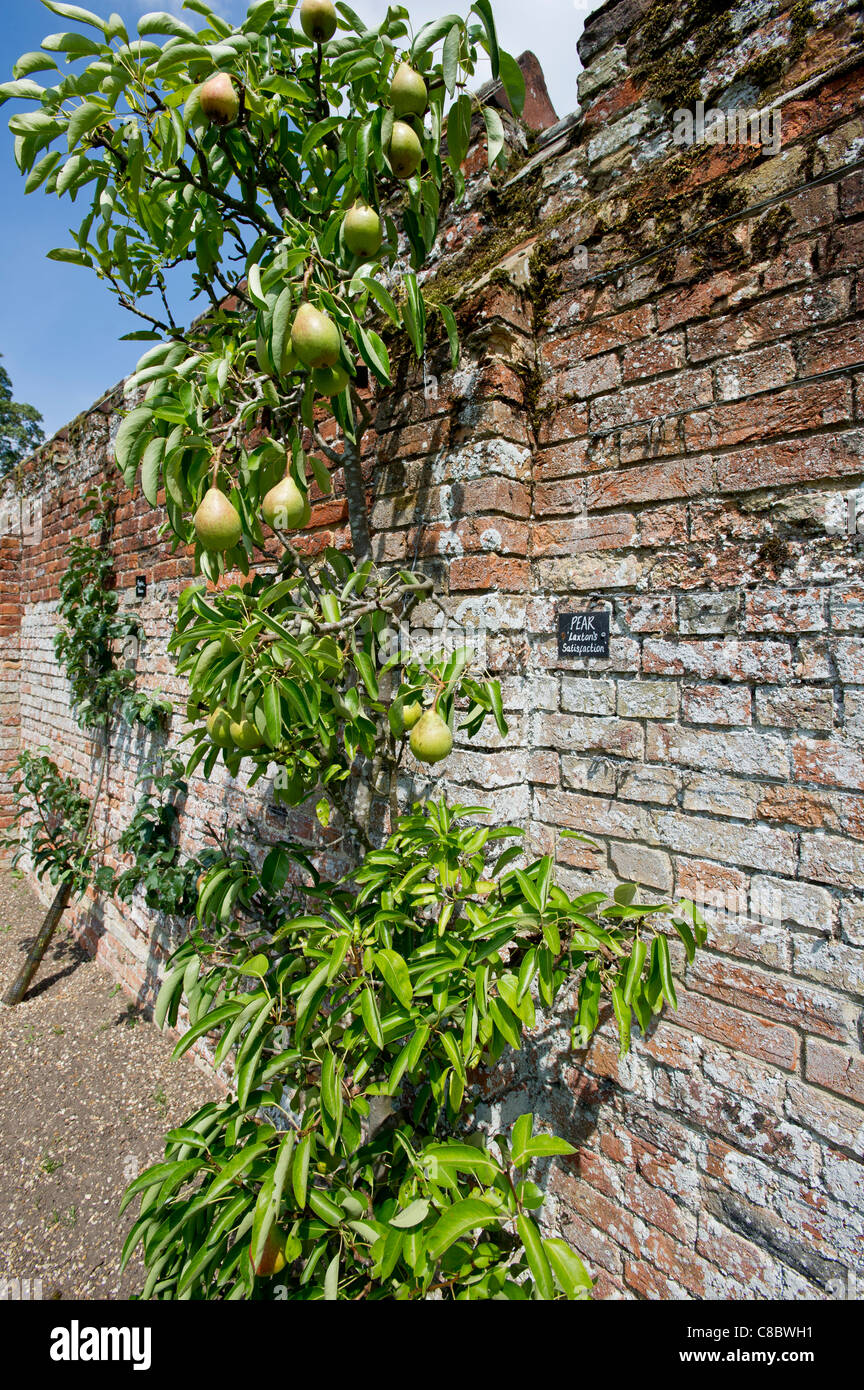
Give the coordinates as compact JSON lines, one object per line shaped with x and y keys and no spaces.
{"x":20,"y":426}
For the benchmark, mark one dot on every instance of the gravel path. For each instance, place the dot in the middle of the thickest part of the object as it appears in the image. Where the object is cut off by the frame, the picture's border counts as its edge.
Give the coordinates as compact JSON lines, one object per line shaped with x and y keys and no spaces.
{"x":87,"y":1091}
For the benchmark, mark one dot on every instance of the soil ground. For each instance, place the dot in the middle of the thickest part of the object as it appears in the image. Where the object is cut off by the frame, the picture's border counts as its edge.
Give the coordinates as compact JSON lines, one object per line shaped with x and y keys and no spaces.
{"x":87,"y":1090}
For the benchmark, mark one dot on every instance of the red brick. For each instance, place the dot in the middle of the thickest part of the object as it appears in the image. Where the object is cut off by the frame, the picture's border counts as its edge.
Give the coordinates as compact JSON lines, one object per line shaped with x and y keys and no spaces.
{"x":782,"y":412}
{"x":650,"y":483}
{"x":798,"y":461}
{"x":664,"y":397}
{"x":828,"y":762}
{"x":835,"y":1069}
{"x":770,"y":319}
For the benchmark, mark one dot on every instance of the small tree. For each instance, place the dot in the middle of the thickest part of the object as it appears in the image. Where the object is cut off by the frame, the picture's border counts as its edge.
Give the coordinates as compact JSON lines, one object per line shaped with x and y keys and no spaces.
{"x":20,"y":427}
{"x":298,"y":171}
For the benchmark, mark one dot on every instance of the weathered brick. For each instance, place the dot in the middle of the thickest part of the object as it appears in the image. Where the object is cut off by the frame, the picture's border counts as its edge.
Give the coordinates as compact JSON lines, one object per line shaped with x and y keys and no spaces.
{"x":745,"y":753}
{"x":785,"y":610}
{"x":835,"y":1069}
{"x":806,"y":708}
{"x":781,"y":412}
{"x":792,"y":461}
{"x":715,"y":704}
{"x":649,"y":483}
{"x":647,"y":699}
{"x":730,"y":659}
{"x":770,"y":319}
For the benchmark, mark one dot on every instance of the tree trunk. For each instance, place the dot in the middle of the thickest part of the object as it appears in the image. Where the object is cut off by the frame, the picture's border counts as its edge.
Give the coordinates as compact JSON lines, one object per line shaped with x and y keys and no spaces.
{"x":18,"y":989}
{"x":355,"y":493}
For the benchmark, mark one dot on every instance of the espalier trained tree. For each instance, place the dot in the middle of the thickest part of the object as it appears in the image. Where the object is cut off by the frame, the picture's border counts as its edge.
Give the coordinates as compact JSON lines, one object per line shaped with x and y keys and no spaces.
{"x":294,"y":165}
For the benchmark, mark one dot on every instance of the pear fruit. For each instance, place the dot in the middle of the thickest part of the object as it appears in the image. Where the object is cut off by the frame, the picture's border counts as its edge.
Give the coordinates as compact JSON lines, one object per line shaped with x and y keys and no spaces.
{"x":219,"y":726}
{"x":284,"y":506}
{"x":244,"y":734}
{"x":314,"y":337}
{"x":408,"y":93}
{"x":219,"y":100}
{"x":361,"y":230}
{"x":329,"y":381}
{"x":318,"y":19}
{"x":431,"y":739}
{"x":217,"y":523}
{"x":405,"y":150}
{"x":272,"y":1257}
{"x":411,"y":713}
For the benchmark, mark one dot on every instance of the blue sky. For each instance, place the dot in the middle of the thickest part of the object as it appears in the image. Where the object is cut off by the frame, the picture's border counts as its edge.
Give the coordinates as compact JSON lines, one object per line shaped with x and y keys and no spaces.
{"x":60,"y":327}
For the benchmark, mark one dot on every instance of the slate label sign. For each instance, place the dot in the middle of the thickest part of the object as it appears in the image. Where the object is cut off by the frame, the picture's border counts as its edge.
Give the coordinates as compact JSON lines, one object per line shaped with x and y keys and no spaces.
{"x":584,"y":635}
{"x":140,"y":586}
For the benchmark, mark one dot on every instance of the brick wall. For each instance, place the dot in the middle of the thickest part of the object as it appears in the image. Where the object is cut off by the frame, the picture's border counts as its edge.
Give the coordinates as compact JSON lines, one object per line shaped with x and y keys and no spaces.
{"x":658,"y":410}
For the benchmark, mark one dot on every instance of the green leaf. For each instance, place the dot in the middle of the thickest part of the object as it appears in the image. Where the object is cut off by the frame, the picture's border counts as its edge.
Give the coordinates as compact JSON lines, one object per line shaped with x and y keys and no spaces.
{"x":130,"y":440}
{"x":380,"y":295}
{"x":623,"y":1015}
{"x":151,"y":469}
{"x":568,"y":1269}
{"x":322,"y":1206}
{"x":394,"y":971}
{"x":634,"y":970}
{"x":546,"y":1145}
{"x":331,"y":1280}
{"x":413,"y":1215}
{"x":158,"y":22}
{"x":374,"y":353}
{"x":75,"y":12}
{"x":664,"y":962}
{"x":429,"y":35}
{"x":300,"y":1170}
{"x":33,"y":62}
{"x":458,"y":131}
{"x":76,"y":45}
{"x":514,"y":82}
{"x":371,"y":1018}
{"x":449,"y":320}
{"x":23,"y":89}
{"x":520,"y":1138}
{"x":468,"y":1215}
{"x":537,"y":1260}
{"x":494,"y":134}
{"x":272,"y":707}
{"x":450,"y":57}
{"x":484,"y":9}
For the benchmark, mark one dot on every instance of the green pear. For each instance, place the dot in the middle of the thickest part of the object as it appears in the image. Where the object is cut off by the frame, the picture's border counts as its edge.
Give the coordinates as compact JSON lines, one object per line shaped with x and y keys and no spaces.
{"x":431,"y":739}
{"x":361,"y":230}
{"x":244,"y":734}
{"x":284,"y":506}
{"x":219,"y":726}
{"x":408,"y":93}
{"x":318,"y":19}
{"x":315,"y":337}
{"x":411,"y":713}
{"x":272,"y":1257}
{"x":217,"y":523}
{"x":405,"y":150}
{"x":219,"y":100}
{"x":329,"y":381}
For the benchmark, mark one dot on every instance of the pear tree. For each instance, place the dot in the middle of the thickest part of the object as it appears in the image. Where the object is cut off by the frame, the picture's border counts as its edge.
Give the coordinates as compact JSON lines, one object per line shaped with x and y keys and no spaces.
{"x":291,"y":170}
